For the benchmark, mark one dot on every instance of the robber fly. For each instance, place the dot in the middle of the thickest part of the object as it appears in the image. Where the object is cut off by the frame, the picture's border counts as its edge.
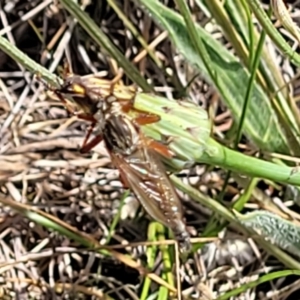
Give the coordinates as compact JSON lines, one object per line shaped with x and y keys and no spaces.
{"x":142,"y":171}
{"x":135,"y":155}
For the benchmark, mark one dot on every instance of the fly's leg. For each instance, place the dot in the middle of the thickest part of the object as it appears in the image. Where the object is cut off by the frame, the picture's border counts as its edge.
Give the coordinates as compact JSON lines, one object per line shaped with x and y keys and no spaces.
{"x":87,"y":146}
{"x":66,"y":69}
{"x":183,"y":238}
{"x":123,"y":179}
{"x":146,"y":118}
{"x":57,"y":93}
{"x":160,"y":148}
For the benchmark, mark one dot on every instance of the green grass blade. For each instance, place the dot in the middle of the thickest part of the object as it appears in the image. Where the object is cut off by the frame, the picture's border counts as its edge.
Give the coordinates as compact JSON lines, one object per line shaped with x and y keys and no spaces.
{"x":26,"y":61}
{"x":196,"y":42}
{"x":273,"y":33}
{"x":262,"y":279}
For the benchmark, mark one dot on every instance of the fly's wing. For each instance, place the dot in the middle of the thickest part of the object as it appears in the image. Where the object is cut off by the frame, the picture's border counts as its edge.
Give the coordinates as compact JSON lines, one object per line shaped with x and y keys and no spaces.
{"x":137,"y":179}
{"x":145,"y":175}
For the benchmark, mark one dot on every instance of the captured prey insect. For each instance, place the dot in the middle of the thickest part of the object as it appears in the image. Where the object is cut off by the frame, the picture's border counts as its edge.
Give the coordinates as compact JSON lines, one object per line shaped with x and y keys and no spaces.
{"x":135,"y":155}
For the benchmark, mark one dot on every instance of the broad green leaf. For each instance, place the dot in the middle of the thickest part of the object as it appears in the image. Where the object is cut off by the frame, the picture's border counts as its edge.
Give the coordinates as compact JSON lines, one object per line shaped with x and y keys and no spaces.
{"x":231,"y":78}
{"x":270,"y":75}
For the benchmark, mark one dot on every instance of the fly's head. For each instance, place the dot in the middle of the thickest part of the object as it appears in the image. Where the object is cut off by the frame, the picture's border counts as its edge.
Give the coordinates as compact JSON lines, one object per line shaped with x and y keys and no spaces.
{"x":77,"y":93}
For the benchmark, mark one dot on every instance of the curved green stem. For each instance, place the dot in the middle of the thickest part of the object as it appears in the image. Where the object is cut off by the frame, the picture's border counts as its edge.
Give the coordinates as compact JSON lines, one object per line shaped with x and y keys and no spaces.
{"x":254,"y":167}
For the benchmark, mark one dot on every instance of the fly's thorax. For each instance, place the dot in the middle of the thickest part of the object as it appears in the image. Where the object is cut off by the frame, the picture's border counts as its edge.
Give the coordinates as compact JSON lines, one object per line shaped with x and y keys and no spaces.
{"x":112,"y":105}
{"x":104,"y":107}
{"x":109,"y":105}
{"x":100,"y":121}
{"x":120,"y":134}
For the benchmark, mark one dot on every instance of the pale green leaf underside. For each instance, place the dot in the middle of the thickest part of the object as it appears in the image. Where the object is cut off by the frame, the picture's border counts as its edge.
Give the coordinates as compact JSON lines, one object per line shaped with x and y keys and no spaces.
{"x":280,"y":232}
